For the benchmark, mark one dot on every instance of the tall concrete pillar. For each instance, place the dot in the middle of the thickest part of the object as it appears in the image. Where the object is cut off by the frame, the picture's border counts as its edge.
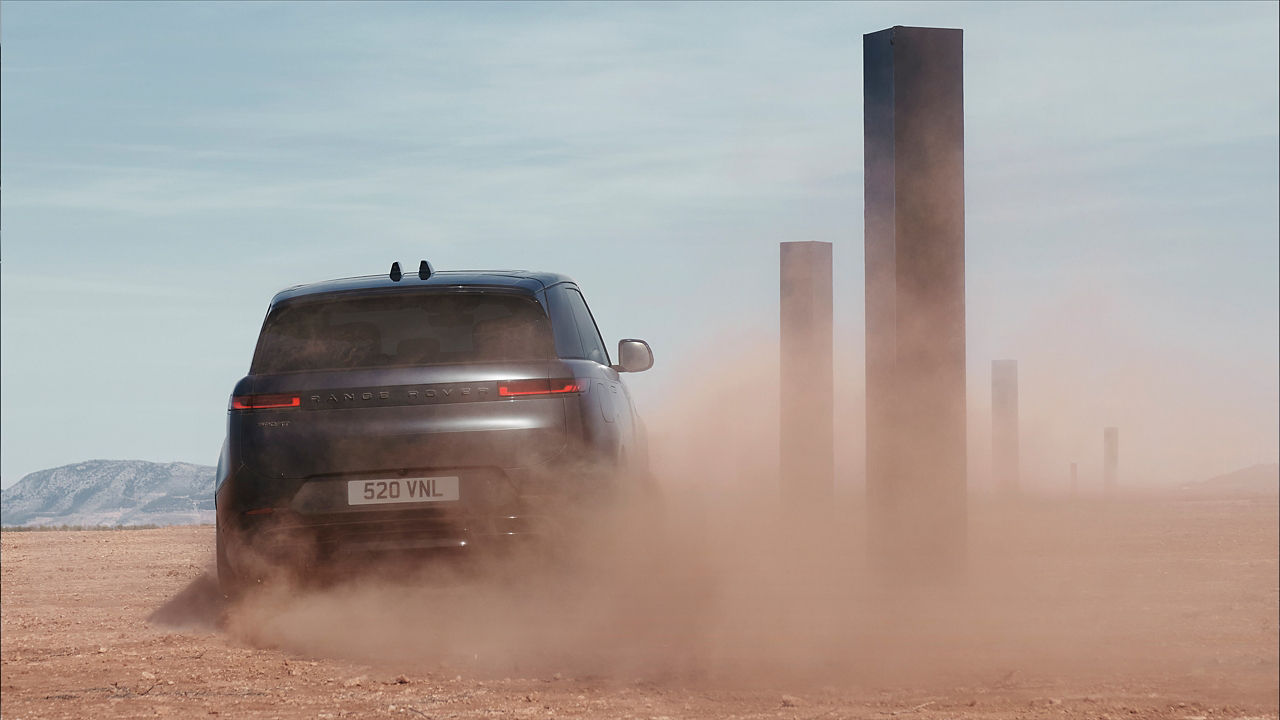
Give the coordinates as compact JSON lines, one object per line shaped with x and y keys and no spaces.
{"x":1110,"y":457}
{"x":1004,"y":426}
{"x":806,"y":384}
{"x":914,"y":234}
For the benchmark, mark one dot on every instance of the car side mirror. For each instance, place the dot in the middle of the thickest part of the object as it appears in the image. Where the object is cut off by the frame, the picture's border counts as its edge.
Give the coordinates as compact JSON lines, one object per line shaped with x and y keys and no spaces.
{"x":634,"y":356}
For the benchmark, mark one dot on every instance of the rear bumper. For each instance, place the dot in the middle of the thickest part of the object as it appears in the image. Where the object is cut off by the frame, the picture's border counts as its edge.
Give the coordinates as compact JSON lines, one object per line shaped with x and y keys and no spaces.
{"x":311,"y":521}
{"x":291,"y":537}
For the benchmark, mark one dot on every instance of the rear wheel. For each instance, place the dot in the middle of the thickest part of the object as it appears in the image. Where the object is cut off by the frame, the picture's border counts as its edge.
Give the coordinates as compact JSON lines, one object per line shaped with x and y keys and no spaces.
{"x":230,"y":583}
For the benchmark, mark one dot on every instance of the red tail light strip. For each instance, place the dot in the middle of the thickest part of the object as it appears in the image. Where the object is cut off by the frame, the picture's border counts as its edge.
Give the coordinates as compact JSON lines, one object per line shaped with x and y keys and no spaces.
{"x":518,"y":388}
{"x":265,"y":402}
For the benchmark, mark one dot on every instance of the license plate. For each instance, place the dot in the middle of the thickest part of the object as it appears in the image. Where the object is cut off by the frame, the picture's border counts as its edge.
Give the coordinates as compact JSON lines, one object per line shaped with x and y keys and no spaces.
{"x":402,"y":490}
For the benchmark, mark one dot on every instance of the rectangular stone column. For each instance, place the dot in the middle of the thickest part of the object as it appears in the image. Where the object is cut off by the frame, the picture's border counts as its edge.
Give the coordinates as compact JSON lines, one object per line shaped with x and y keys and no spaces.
{"x":914,"y":240}
{"x":1005,"y":471}
{"x":1110,"y":458}
{"x":806,"y":384}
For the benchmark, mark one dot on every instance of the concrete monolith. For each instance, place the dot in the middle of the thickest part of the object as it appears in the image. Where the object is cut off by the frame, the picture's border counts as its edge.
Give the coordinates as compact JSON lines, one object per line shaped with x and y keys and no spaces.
{"x":806,"y":382}
{"x":1005,"y":471}
{"x":1110,"y":458}
{"x":913,"y":133}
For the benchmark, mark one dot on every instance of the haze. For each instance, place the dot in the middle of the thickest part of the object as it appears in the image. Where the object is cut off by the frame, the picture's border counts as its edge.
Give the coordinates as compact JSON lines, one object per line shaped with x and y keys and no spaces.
{"x":168,"y":167}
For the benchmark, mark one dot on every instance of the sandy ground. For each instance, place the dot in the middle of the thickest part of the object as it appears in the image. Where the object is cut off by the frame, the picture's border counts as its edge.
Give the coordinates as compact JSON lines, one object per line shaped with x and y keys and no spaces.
{"x":1142,"y":608}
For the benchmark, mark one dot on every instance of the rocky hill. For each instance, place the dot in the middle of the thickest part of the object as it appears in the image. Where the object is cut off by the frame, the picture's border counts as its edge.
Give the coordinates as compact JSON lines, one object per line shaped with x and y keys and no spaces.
{"x":111,"y":492}
{"x":1256,"y":480}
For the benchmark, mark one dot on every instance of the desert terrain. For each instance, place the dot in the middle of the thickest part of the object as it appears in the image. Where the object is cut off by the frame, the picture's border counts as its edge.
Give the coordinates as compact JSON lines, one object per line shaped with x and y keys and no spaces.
{"x":1151,"y":606}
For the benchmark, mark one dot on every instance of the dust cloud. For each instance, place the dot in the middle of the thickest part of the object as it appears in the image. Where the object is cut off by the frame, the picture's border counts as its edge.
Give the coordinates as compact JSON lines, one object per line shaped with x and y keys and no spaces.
{"x":724,"y":586}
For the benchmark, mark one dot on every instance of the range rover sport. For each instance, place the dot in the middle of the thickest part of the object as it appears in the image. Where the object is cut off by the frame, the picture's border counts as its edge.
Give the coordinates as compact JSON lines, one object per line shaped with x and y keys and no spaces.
{"x":403,"y":412}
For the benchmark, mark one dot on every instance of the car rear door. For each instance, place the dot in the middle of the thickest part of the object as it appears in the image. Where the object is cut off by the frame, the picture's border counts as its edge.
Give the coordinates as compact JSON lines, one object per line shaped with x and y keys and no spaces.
{"x":360,"y":384}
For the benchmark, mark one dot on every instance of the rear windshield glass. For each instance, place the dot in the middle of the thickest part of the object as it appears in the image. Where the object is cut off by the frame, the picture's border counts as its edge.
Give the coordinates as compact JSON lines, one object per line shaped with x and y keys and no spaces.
{"x":404,"y":329}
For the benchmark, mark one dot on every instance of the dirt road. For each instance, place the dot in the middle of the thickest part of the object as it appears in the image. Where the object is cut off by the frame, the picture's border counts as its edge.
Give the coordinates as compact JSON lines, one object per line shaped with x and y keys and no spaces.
{"x":1147,"y":608}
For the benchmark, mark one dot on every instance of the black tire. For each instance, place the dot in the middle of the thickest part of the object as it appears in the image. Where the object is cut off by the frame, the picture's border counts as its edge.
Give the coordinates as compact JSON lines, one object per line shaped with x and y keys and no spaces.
{"x":230,"y":584}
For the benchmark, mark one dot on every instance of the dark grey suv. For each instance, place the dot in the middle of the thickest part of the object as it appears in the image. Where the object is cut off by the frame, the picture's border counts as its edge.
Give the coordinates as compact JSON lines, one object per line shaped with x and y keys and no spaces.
{"x":414,"y":412}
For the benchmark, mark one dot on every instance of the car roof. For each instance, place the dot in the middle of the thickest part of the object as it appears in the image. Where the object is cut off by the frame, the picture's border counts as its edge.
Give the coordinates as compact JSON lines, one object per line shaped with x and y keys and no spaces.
{"x":515,"y":279}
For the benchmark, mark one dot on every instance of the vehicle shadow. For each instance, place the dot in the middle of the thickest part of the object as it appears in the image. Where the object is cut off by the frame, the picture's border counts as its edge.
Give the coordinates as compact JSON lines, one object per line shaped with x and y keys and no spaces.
{"x":201,"y":605}
{"x":198,"y":606}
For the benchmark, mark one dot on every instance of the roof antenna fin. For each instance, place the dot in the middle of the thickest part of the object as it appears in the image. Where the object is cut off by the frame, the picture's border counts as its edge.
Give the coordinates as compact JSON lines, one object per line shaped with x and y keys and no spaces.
{"x":424,"y":270}
{"x":395,"y":272}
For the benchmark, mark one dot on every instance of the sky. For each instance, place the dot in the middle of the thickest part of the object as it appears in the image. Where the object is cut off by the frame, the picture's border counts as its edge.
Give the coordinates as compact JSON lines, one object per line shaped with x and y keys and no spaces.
{"x":166,"y":168}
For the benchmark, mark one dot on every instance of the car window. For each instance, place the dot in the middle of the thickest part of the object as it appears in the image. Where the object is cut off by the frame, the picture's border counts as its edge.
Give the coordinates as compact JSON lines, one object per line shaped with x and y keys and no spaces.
{"x":344,"y":333}
{"x":563,"y":322}
{"x":592,"y":344}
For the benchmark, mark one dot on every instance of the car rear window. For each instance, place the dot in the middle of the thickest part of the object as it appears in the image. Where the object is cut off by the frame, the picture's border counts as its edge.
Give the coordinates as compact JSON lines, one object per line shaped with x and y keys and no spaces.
{"x":345,"y":333}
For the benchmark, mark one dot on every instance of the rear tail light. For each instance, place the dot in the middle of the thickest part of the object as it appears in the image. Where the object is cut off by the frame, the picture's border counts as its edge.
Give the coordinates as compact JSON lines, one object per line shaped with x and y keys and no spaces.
{"x":518,"y":388}
{"x":265,"y":402}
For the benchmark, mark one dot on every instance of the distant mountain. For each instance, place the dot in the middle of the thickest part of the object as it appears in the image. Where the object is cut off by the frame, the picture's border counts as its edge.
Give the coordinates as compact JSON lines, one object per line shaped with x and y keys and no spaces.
{"x":1255,"y":480}
{"x":111,"y":492}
